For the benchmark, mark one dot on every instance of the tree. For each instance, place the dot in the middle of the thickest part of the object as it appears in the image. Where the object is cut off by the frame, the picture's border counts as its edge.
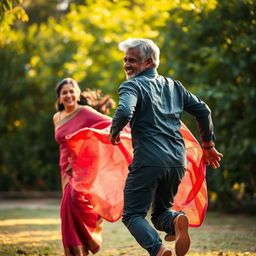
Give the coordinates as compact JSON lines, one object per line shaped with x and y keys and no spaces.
{"x":11,"y":10}
{"x":83,"y":44}
{"x":214,"y":51}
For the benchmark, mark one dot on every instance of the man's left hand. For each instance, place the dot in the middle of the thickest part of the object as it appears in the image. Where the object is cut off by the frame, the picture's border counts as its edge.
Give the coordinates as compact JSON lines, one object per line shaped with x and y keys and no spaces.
{"x":212,"y":157}
{"x":115,"y":140}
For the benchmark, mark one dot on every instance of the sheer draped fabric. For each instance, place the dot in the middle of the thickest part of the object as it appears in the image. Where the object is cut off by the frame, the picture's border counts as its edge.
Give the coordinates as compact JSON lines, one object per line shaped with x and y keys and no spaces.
{"x":100,"y":169}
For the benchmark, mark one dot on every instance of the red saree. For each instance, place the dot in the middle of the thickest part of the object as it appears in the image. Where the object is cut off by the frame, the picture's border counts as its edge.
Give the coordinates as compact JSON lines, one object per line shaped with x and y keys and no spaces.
{"x":100,"y":169}
{"x":81,"y":226}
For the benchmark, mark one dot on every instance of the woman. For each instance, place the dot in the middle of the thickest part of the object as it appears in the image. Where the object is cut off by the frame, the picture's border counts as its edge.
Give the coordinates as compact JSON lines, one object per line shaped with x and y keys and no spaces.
{"x":81,"y":226}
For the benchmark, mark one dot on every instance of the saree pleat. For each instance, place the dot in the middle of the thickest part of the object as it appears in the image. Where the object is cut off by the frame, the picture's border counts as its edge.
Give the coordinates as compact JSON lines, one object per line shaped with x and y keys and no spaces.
{"x":77,"y":215}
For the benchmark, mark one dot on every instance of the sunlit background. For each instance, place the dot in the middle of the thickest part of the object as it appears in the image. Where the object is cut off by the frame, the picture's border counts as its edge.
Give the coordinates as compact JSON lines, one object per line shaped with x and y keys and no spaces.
{"x":210,"y":46}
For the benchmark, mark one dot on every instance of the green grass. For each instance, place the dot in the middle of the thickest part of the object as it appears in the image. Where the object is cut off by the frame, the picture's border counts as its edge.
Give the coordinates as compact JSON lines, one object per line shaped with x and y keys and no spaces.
{"x":37,"y":233}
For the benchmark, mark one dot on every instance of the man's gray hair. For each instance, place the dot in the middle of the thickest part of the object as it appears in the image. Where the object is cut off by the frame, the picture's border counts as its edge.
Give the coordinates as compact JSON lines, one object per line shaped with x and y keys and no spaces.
{"x":147,"y":48}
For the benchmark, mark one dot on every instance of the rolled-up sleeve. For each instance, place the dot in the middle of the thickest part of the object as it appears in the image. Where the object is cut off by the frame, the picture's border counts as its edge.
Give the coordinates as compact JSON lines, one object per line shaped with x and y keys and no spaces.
{"x":200,"y":110}
{"x":125,"y":109}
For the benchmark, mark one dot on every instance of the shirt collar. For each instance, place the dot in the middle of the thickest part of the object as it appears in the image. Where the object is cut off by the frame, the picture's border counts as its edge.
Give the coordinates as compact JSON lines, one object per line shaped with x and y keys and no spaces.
{"x":149,"y":72}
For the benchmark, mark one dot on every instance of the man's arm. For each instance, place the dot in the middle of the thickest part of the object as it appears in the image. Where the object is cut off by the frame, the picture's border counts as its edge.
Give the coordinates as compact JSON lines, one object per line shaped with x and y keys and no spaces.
{"x":124,"y":111}
{"x":196,"y":107}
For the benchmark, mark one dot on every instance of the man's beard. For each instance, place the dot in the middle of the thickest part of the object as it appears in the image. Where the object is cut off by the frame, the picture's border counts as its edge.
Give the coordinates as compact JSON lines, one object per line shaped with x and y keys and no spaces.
{"x":130,"y":76}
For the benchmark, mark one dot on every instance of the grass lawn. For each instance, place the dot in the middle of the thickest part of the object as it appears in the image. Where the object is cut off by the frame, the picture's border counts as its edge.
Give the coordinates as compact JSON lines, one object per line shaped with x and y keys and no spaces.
{"x":36,"y":232}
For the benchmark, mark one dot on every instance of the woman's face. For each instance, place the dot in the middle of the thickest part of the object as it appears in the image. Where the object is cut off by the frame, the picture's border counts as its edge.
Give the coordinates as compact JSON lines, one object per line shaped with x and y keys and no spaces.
{"x":69,"y":96}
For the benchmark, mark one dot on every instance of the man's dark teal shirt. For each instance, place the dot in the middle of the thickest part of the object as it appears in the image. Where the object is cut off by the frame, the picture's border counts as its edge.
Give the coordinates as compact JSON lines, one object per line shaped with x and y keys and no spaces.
{"x":153,"y":105}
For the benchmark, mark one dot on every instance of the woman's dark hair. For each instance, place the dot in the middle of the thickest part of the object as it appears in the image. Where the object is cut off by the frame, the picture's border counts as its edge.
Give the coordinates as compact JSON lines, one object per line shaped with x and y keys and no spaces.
{"x":89,"y":97}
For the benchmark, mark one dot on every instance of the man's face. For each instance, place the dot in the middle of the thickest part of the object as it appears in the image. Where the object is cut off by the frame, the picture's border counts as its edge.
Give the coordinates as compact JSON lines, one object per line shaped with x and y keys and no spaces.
{"x":133,"y":63}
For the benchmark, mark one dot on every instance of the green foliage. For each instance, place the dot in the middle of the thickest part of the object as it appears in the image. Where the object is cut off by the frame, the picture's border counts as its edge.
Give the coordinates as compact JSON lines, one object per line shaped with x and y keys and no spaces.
{"x":10,"y":10}
{"x":39,"y":11}
{"x":25,"y":138}
{"x":82,"y":45}
{"x":208,"y":45}
{"x":214,"y":51}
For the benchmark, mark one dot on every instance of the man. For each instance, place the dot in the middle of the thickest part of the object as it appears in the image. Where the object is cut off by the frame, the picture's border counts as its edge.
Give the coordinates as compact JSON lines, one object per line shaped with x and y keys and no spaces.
{"x":153,"y":105}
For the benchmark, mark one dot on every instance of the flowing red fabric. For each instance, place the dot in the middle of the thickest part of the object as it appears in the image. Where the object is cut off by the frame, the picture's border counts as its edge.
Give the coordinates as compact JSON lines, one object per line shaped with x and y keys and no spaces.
{"x":100,"y":169}
{"x":192,"y":195}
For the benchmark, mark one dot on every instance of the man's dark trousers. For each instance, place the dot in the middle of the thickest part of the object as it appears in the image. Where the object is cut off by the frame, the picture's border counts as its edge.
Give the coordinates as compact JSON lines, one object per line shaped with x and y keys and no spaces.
{"x":145,"y":186}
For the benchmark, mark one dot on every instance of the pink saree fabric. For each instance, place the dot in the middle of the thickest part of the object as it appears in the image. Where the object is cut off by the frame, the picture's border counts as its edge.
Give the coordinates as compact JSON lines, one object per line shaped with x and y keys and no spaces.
{"x":81,"y":226}
{"x":100,"y":169}
{"x":192,"y":197}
